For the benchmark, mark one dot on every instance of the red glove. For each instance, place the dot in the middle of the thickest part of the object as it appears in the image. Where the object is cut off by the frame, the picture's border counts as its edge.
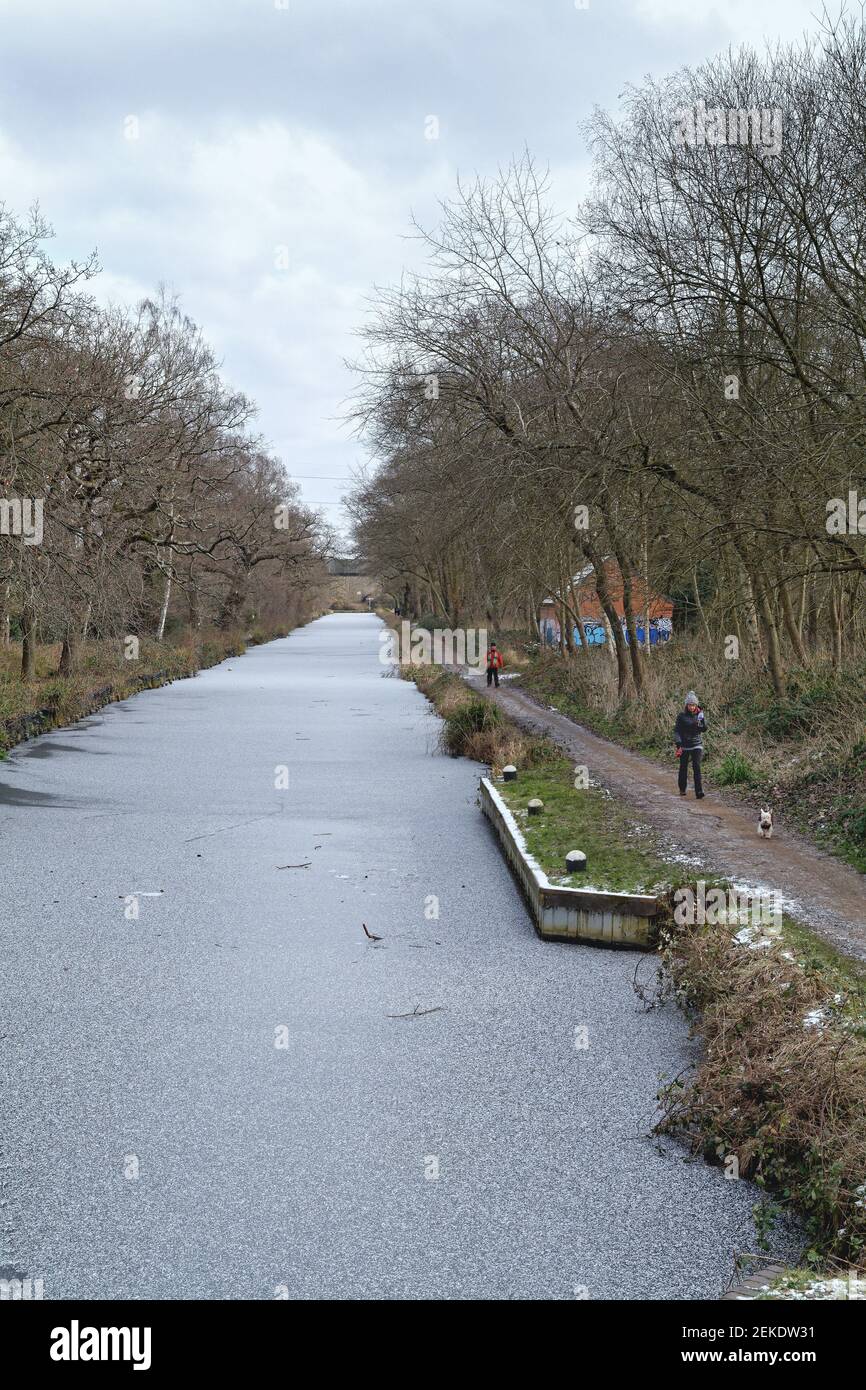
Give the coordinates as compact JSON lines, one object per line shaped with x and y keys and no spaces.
{"x":678,"y":751}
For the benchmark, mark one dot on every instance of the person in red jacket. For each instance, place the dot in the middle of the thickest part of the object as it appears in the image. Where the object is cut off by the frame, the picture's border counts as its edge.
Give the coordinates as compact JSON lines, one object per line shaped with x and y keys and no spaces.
{"x":494,"y":664}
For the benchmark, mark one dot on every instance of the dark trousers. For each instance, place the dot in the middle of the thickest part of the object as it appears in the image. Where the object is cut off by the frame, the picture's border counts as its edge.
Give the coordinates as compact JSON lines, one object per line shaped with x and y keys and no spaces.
{"x":695,"y":754}
{"x":493,"y":675}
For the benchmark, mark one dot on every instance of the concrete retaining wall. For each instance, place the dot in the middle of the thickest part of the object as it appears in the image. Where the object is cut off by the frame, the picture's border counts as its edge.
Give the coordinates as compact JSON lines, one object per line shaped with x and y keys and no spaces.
{"x":569,"y":914}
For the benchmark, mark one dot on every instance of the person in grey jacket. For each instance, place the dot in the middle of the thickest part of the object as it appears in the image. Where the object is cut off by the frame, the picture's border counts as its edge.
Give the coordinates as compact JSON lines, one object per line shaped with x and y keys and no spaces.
{"x":688,"y":737}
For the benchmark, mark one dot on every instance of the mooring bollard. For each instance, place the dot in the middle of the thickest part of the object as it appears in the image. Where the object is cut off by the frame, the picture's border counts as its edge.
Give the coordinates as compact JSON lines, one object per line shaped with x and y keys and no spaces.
{"x":575,"y":861}
{"x":509,"y":773}
{"x":535,"y":806}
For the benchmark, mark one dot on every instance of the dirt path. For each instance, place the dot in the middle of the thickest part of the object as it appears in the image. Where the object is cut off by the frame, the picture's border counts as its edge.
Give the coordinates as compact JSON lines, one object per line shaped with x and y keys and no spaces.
{"x":824,"y":893}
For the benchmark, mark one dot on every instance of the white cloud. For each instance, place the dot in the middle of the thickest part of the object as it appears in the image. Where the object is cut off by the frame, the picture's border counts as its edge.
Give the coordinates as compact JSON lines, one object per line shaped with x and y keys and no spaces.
{"x":735,"y":21}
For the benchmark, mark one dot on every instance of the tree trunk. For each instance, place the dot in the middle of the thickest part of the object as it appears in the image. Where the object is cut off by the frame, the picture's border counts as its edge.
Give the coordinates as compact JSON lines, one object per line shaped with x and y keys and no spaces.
{"x":169,"y":576}
{"x":752,"y":613}
{"x":581,"y":630}
{"x":532,"y":617}
{"x":631,"y":627}
{"x":698,"y":605}
{"x":771,"y":633}
{"x":791,"y":625}
{"x":801,"y":615}
{"x":812,"y":628}
{"x":193,"y":606}
{"x":565,"y":623}
{"x":647,"y":645}
{"x":166,"y":600}
{"x":602,"y":589}
{"x":28,"y":644}
{"x":837,"y":618}
{"x":67,"y":657}
{"x":634,"y":651}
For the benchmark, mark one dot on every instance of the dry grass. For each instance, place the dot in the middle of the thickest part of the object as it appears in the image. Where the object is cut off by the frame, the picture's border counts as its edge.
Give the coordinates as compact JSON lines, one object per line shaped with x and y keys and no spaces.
{"x":786,"y":1099}
{"x":474,"y":727}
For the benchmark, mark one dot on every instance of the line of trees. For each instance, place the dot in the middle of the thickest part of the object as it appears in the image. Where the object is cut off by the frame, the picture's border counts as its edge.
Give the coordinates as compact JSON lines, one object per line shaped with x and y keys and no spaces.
{"x":158,"y":506}
{"x":675,"y":379}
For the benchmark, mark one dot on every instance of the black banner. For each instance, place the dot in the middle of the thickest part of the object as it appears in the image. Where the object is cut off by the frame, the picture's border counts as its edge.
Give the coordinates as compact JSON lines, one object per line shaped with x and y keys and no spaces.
{"x":157,"y":1340}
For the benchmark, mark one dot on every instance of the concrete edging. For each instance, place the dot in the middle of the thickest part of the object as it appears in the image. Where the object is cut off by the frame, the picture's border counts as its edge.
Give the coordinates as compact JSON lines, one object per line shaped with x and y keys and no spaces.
{"x":568,"y":914}
{"x":753,"y":1285}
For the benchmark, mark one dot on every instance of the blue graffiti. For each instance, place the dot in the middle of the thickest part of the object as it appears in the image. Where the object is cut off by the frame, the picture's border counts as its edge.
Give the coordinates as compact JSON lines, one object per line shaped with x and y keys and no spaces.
{"x":661,"y":630}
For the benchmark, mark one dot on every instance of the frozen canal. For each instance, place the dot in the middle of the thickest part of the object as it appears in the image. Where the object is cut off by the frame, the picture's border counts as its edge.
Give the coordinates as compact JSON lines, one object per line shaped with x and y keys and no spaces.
{"x":222,"y":1097}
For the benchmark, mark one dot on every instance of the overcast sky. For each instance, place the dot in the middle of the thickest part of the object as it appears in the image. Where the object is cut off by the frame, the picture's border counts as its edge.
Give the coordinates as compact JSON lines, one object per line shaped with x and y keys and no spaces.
{"x":300,"y":124}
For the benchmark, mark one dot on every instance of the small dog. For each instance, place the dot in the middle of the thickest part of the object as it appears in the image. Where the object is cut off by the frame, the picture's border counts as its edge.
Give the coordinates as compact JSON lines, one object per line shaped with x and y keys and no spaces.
{"x":765,"y":824}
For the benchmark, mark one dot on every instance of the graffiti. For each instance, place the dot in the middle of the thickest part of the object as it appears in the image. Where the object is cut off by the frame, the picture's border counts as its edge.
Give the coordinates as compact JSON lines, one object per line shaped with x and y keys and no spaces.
{"x":660,"y":630}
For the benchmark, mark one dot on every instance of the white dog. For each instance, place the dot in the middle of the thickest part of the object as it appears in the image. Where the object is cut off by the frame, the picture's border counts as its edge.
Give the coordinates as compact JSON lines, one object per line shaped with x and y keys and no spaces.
{"x":765,"y":824}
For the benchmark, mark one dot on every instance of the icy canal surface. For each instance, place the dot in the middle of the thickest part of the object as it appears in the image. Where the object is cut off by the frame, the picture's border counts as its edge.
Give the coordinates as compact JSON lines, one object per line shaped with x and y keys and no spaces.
{"x":223,"y":1096}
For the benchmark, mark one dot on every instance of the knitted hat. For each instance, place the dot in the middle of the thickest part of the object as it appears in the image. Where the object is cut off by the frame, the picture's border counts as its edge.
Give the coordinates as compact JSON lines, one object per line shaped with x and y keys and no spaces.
{"x":692,"y":699}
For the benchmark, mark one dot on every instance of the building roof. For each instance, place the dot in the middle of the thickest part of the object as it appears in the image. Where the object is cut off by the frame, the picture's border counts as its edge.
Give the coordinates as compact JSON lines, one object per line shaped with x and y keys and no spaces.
{"x":589,"y":605}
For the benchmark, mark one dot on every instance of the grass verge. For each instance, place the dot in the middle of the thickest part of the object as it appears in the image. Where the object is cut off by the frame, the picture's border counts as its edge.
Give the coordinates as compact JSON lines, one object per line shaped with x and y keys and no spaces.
{"x":619,"y":854}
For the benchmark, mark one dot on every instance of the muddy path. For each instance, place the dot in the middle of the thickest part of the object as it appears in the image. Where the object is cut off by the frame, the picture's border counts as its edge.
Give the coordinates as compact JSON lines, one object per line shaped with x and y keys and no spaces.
{"x":822,"y":892}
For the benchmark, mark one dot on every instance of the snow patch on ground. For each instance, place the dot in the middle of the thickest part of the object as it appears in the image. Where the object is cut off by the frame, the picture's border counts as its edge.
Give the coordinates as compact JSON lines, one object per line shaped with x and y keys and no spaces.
{"x":760,"y":890}
{"x":758,"y":938}
{"x":820,"y":1017}
{"x":832,"y":1289}
{"x":680,"y":857}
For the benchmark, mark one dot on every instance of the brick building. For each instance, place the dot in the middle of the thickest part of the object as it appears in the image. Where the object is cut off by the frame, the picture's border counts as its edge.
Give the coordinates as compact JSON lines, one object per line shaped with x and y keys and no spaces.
{"x":583,"y":598}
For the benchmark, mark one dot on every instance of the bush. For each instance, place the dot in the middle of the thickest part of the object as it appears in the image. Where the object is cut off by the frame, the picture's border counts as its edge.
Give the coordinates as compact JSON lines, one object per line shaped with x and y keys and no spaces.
{"x":786,"y":1097}
{"x":466,"y":722}
{"x":430,"y":622}
{"x":734,"y":770}
{"x":474,"y":727}
{"x":857,"y":826}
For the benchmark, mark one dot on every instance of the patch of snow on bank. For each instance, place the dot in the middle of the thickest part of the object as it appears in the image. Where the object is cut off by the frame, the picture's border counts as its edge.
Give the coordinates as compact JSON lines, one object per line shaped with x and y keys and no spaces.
{"x":758,"y":938}
{"x":837,"y":1289}
{"x":820,"y":1017}
{"x":761,"y":890}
